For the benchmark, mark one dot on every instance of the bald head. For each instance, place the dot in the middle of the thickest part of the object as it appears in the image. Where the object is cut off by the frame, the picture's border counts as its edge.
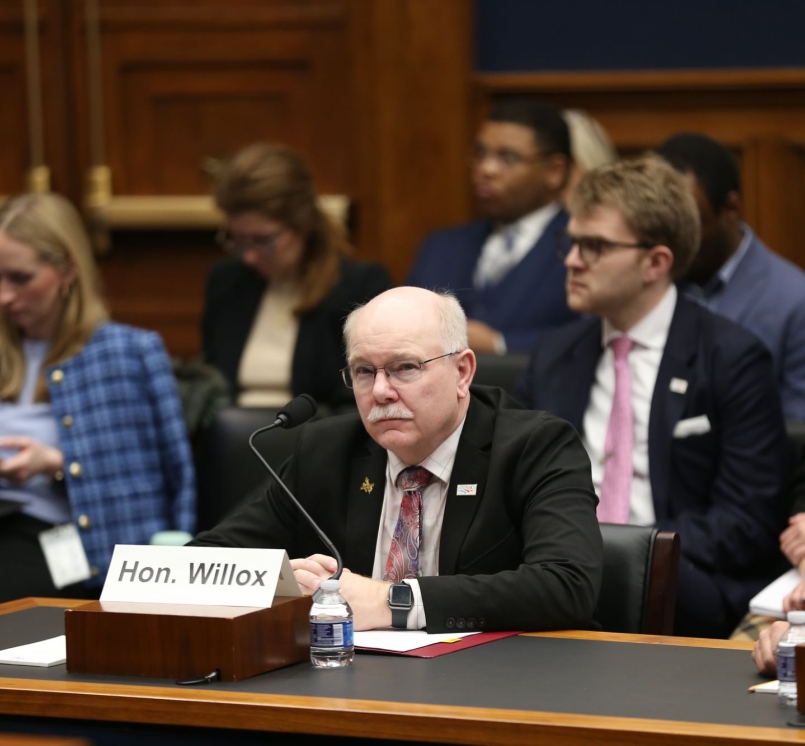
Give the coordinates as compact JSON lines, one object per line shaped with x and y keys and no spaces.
{"x":441,"y":312}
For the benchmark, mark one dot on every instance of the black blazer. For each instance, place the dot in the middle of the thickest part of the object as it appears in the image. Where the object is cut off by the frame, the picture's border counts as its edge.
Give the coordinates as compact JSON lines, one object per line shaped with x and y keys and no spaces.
{"x":721,"y":490}
{"x":233,"y":296}
{"x":523,"y":553}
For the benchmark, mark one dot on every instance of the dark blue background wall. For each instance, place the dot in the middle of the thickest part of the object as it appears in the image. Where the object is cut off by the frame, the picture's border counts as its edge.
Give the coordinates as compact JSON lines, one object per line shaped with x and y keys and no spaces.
{"x":516,"y":35}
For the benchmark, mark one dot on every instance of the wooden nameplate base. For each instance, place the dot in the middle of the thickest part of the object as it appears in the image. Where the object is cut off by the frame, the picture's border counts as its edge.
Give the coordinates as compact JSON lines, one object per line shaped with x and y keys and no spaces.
{"x":179,"y":641}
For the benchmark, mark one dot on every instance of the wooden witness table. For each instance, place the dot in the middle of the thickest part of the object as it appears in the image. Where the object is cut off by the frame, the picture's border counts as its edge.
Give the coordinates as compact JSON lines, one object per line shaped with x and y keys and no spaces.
{"x":552,"y":688}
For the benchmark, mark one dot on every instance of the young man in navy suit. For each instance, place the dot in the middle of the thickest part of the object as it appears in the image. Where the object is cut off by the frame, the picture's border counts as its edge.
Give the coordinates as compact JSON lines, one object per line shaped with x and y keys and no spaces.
{"x":677,"y":407}
{"x":734,"y":273}
{"x":504,"y":269}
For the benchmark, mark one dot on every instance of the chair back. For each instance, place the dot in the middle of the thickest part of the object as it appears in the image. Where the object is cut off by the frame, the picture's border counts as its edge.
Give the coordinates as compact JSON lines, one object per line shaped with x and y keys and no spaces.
{"x":227,"y":469}
{"x":500,"y":370}
{"x":638,"y":588}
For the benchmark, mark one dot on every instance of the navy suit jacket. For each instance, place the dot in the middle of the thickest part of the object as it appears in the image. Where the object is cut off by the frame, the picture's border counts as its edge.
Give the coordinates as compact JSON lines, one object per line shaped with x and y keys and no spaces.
{"x":721,"y":490}
{"x":767,"y":296}
{"x":530,"y":298}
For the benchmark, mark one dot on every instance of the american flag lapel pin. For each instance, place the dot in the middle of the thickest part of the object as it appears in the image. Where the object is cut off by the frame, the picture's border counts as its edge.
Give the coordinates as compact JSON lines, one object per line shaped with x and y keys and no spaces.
{"x":467,"y":489}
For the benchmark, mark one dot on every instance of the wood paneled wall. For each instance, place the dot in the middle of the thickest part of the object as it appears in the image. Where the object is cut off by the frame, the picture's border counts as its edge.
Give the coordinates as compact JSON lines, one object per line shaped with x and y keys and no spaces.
{"x":376,"y":94}
{"x":759,"y":114}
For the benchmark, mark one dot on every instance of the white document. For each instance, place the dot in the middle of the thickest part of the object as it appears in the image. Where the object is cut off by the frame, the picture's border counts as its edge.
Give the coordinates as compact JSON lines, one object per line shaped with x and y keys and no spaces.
{"x":402,"y":640}
{"x":210,"y":576}
{"x":65,"y":555}
{"x":50,"y":652}
{"x":770,"y":600}
{"x":692,"y":426}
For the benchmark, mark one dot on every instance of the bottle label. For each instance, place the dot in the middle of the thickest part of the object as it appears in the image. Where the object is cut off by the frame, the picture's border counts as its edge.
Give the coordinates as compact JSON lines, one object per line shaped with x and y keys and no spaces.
{"x":786,"y":665}
{"x":331,"y":634}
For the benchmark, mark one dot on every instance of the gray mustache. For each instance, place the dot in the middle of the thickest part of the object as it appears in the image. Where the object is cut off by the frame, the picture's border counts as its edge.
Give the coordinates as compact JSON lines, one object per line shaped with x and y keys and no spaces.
{"x":389,"y":411}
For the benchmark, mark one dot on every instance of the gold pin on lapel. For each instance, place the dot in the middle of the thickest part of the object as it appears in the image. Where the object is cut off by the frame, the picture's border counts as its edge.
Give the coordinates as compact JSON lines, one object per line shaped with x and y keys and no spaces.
{"x":367,"y":486}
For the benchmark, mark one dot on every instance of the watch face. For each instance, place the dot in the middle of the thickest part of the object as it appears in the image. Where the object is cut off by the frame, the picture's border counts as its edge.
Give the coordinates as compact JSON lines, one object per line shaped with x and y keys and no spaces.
{"x":401,"y":595}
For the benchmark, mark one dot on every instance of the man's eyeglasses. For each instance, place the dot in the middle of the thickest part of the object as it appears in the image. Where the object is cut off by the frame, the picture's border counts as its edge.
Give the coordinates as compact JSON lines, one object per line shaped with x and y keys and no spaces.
{"x":362,"y":375}
{"x":591,"y":247}
{"x":505,"y":158}
{"x":239,"y":245}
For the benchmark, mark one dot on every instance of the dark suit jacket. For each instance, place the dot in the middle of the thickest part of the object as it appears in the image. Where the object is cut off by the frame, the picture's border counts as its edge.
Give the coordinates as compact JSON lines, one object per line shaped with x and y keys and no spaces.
{"x":530,"y":298}
{"x":233,"y":296}
{"x":767,"y":296}
{"x":523,"y":553}
{"x":722,"y":490}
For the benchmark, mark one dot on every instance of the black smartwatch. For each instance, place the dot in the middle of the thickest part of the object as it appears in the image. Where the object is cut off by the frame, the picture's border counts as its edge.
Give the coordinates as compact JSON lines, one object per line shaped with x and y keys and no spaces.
{"x":401,"y":601}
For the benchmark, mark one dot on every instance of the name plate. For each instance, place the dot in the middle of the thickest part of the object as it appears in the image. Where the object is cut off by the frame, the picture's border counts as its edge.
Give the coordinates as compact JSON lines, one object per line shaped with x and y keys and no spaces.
{"x":210,"y":576}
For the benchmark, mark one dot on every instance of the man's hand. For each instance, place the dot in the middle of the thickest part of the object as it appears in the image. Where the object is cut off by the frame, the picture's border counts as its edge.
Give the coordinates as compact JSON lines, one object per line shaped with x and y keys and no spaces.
{"x":32,"y":458}
{"x":792,"y":540}
{"x":765,"y":652}
{"x":311,"y":571}
{"x":369,"y":600}
{"x":482,"y":337}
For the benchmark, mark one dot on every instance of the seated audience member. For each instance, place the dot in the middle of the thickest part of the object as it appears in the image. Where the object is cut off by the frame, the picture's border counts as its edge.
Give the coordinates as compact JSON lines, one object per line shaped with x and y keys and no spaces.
{"x":91,"y":426}
{"x":734,"y":273}
{"x":273,"y":311}
{"x":484,"y":510}
{"x":504,"y":269}
{"x":590,"y":147}
{"x":677,"y":407}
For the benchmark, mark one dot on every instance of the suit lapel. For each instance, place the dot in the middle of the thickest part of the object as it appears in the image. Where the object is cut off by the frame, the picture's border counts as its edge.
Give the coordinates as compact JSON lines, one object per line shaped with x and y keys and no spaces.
{"x":470,"y":468}
{"x":579,"y":374}
{"x":366,"y":488}
{"x":667,"y":406}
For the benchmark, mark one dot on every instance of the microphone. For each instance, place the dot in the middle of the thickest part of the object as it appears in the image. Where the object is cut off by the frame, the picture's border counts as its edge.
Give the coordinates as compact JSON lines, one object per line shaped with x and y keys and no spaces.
{"x":296,"y":412}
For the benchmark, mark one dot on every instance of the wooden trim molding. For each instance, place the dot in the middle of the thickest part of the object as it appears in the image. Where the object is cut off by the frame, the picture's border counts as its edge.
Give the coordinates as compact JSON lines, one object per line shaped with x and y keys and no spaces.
{"x":642,"y":80}
{"x":184,"y":212}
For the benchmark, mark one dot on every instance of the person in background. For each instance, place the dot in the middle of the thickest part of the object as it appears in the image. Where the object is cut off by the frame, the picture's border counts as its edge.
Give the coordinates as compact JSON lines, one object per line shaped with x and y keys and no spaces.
{"x":504,"y":268}
{"x":273,"y":310}
{"x":91,"y":426}
{"x":676,"y":406}
{"x":735,"y":274}
{"x":590,"y":146}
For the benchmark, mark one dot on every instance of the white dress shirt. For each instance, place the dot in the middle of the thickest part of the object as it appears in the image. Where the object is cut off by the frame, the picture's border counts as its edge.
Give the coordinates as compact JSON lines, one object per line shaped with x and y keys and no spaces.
{"x":434,"y":496}
{"x":649,"y":336}
{"x":496,"y":260}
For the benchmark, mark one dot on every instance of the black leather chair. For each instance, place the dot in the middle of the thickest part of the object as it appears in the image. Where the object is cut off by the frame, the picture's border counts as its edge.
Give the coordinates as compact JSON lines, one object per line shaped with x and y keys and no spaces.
{"x":638,"y":589}
{"x":227,"y":470}
{"x":500,"y":370}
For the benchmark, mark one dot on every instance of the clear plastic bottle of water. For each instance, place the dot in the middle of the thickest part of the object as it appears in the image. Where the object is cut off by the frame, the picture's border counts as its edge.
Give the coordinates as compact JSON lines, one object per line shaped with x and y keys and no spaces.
{"x":786,"y":663}
{"x":331,"y":636}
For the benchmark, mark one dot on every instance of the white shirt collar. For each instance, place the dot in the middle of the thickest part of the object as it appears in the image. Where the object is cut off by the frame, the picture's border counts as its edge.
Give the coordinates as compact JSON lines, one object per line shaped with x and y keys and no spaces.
{"x":530,"y":227}
{"x":439,"y":463}
{"x":651,"y":331}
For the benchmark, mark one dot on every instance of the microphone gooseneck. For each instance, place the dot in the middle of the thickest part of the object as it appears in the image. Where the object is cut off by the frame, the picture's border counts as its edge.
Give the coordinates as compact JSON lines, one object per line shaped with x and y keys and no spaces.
{"x":296,"y":412}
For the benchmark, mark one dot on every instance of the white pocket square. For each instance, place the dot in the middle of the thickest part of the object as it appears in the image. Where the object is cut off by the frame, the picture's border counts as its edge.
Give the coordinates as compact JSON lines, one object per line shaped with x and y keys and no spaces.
{"x":692,"y":426}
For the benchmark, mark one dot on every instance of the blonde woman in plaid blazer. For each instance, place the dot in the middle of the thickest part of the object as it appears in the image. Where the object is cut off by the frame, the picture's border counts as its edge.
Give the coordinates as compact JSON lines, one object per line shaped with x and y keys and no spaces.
{"x":91,"y":427}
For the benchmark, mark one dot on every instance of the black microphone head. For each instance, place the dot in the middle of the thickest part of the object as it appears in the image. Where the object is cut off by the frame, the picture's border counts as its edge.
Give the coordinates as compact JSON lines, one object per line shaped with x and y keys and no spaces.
{"x":297,"y":411}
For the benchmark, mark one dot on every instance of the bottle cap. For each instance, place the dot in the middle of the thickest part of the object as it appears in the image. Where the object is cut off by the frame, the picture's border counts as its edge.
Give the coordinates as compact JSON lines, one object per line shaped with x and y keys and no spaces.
{"x":334,"y":584}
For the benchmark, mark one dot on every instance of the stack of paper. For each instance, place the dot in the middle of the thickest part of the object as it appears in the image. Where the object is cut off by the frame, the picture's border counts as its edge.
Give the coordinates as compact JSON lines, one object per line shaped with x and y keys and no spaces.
{"x":770,"y":600}
{"x":50,"y":652}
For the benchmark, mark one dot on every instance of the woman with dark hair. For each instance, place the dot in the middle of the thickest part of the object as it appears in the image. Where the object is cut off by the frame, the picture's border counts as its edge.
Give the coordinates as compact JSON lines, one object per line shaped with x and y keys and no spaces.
{"x":91,"y":426}
{"x":274,"y":310}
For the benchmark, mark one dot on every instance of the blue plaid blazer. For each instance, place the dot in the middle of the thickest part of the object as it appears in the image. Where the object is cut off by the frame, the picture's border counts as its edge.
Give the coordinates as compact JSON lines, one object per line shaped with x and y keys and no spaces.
{"x":127,"y":461}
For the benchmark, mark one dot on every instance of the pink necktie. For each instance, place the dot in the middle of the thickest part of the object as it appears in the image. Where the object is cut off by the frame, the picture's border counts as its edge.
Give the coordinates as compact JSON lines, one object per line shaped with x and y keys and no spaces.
{"x":616,"y":487}
{"x":403,"y":559}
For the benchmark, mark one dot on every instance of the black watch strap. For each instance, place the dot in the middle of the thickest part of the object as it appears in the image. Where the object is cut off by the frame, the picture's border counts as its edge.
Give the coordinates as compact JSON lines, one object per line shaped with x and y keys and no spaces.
{"x":399,"y":618}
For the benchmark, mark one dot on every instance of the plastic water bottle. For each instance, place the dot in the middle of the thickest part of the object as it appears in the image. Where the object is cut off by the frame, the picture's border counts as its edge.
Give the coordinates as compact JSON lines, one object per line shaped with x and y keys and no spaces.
{"x":331,"y":636}
{"x":786,"y":662}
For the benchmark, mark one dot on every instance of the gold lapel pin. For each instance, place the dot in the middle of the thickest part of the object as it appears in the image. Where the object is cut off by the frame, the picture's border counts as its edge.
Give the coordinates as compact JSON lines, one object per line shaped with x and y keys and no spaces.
{"x":367,"y":486}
